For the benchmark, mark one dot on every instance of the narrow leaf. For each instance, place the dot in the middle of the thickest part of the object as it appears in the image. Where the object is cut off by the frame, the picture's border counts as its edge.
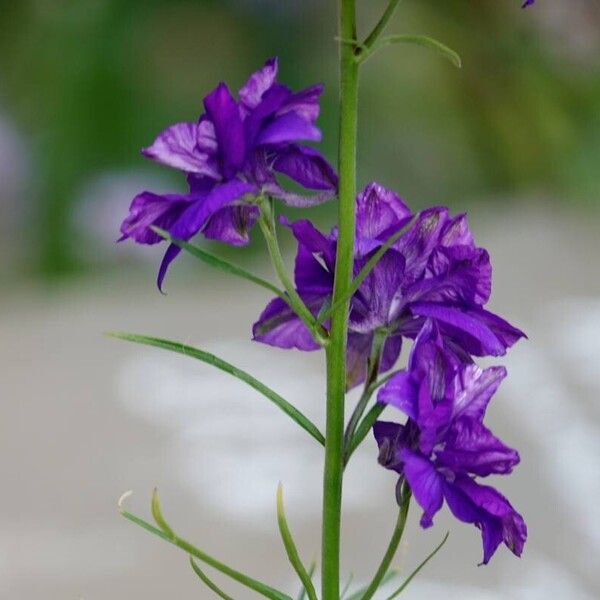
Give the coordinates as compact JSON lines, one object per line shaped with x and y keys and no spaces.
{"x":207,"y":581}
{"x":416,"y":571}
{"x":249,"y":582}
{"x":392,"y":548}
{"x":220,"y":263}
{"x":364,"y":427}
{"x":426,"y":42}
{"x":390,"y":575}
{"x":362,"y":275}
{"x":290,"y":547}
{"x":158,"y":516}
{"x":215,"y":361}
{"x":347,"y":586}
{"x":311,"y":573}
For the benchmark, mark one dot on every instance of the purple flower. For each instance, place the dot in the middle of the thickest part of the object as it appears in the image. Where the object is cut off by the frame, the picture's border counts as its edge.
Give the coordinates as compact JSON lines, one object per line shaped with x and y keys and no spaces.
{"x":231,"y":156}
{"x":444,"y":446}
{"x":528,"y":3}
{"x":433,"y":271}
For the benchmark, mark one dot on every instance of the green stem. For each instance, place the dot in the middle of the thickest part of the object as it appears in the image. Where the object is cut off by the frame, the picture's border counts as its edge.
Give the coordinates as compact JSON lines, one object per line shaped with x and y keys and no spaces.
{"x":372,"y":372}
{"x":392,"y":547}
{"x":381,"y":24}
{"x":336,"y":350}
{"x":267,"y":225}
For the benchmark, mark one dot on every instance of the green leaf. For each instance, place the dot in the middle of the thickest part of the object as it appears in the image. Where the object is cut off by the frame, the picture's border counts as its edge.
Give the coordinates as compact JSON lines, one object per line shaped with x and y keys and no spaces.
{"x":249,"y":582}
{"x":362,"y":275}
{"x":347,"y":586}
{"x":215,"y":361}
{"x":207,"y":581}
{"x":421,"y":40}
{"x":364,"y":427}
{"x":158,"y":516}
{"x":311,"y":571}
{"x":392,"y":548}
{"x":390,"y":575}
{"x":220,"y":263}
{"x":416,"y":571}
{"x":290,"y":547}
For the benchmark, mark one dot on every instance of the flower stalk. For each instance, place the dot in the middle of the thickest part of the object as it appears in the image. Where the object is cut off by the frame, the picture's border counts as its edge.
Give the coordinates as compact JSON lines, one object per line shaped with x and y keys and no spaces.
{"x":336,"y":351}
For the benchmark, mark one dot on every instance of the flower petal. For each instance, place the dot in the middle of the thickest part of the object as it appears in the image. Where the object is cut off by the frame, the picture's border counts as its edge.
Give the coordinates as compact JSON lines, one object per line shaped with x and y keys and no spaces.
{"x":307,"y":167}
{"x":473,"y":389}
{"x":426,"y":484}
{"x":289,"y":127}
{"x":223,"y":111}
{"x":488,"y":510}
{"x":380,"y":212}
{"x":258,"y":83}
{"x":278,"y":325}
{"x":148,"y":209}
{"x":472,"y":448}
{"x":177,"y":147}
{"x":232,"y":224}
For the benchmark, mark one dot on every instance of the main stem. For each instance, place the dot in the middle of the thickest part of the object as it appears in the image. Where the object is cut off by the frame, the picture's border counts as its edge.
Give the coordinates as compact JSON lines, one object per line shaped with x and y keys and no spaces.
{"x":336,"y":350}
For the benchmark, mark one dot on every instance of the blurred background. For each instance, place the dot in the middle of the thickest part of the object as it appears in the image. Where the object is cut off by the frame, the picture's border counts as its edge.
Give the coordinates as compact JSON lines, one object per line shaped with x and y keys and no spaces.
{"x":514,"y":138}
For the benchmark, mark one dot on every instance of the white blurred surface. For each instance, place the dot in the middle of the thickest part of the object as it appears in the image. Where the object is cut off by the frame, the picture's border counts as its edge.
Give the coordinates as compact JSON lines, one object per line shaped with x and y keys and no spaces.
{"x":85,"y":418}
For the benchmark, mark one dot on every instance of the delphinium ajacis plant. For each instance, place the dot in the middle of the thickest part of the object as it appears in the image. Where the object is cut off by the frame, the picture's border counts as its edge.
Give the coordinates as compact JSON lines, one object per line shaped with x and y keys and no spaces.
{"x":381,"y":276}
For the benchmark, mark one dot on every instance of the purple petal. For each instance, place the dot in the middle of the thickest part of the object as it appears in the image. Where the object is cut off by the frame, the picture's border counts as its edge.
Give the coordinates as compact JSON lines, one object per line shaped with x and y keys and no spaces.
{"x":473,"y":389}
{"x":379,"y":213}
{"x":358,"y":350}
{"x":170,"y":255}
{"x":223,"y":111}
{"x":419,"y":241}
{"x":456,"y":232}
{"x":307,"y":167}
{"x":278,"y":325}
{"x":465,"y":329}
{"x":310,"y":275}
{"x":375,"y":303}
{"x":472,"y":448}
{"x":258,"y":83}
{"x":289,"y":127}
{"x":315,"y":241}
{"x":178,"y":147}
{"x":304,"y":103}
{"x":148,"y":209}
{"x":488,"y":510}
{"x":193,"y":219}
{"x":401,"y":392}
{"x":426,"y":485}
{"x":232,"y":224}
{"x":390,"y":438}
{"x":504,"y":331}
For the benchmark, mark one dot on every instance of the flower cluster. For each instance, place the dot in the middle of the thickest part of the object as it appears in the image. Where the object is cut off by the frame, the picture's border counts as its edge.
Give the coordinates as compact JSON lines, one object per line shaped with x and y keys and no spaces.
{"x":444,"y":445}
{"x":433,"y":270}
{"x":420,"y":277}
{"x":231,"y":156}
{"x":431,"y":285}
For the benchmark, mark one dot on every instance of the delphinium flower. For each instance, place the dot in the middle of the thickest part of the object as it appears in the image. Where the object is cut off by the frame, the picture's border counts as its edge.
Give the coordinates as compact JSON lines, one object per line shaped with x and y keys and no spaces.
{"x":231,"y":156}
{"x":444,"y":445}
{"x":433,"y":270}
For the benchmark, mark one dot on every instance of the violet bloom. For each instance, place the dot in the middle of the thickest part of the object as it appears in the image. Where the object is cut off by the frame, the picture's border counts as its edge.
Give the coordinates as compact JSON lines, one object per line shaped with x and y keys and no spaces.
{"x":231,"y":156}
{"x":528,"y":3}
{"x":444,"y":445}
{"x":433,"y":271}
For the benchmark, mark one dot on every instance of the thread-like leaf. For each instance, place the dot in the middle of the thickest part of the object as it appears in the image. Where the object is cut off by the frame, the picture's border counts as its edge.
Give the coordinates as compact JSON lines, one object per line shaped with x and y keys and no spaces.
{"x":208,"y":581}
{"x":253,"y":584}
{"x":362,"y":275}
{"x":215,"y":361}
{"x":311,"y":572}
{"x":416,"y":571}
{"x":158,"y":516}
{"x":421,"y":40}
{"x":290,"y":547}
{"x":363,"y":428}
{"x":220,"y":263}
{"x":390,"y":575}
